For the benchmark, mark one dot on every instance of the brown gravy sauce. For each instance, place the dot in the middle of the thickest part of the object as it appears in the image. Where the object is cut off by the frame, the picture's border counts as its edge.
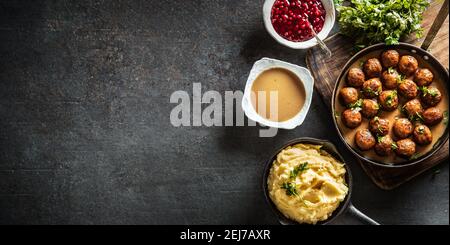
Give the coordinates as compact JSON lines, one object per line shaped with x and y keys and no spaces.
{"x":291,"y":94}
{"x":437,"y":130}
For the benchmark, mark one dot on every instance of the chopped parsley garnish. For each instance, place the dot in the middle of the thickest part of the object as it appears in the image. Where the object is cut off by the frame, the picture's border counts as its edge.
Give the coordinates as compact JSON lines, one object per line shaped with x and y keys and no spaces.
{"x":394,"y":146}
{"x":379,"y":129}
{"x":370,"y":91}
{"x":445,"y":117}
{"x":361,"y":63}
{"x":391,"y":70}
{"x":414,"y":156}
{"x":336,"y":114}
{"x":390,"y":98}
{"x":402,"y":109}
{"x":290,"y":189}
{"x":416,"y":117}
{"x":298,"y":169}
{"x":429,"y":91}
{"x":357,"y":104}
{"x":421,"y":129}
{"x":400,"y":79}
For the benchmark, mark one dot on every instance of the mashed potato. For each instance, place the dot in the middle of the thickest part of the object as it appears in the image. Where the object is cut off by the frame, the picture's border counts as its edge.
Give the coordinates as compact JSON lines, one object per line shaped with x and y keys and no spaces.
{"x":306,"y":183}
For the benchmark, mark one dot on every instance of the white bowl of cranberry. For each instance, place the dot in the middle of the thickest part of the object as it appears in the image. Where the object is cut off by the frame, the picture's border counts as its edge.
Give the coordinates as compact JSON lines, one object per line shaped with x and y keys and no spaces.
{"x":288,"y":21}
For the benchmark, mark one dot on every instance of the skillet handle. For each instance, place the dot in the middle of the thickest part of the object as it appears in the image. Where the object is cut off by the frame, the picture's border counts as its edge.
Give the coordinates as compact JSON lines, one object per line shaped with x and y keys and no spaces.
{"x":361,"y":216}
{"x":436,"y":26}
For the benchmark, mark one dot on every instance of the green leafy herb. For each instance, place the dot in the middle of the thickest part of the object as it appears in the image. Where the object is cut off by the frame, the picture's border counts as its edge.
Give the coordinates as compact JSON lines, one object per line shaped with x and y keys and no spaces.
{"x":402,"y":109}
{"x":298,"y":169}
{"x":425,"y":90}
{"x":417,"y":117}
{"x":414,"y":156}
{"x":400,"y":79}
{"x":421,"y":129}
{"x":391,"y":70}
{"x":380,"y":129}
{"x":432,"y":92}
{"x":379,"y":138}
{"x":361,"y":63}
{"x":445,"y":118}
{"x":394,"y":146}
{"x":370,"y":91}
{"x":336,"y":114}
{"x":391,"y":98}
{"x":373,"y":21}
{"x":290,"y":189}
{"x":357,"y":104}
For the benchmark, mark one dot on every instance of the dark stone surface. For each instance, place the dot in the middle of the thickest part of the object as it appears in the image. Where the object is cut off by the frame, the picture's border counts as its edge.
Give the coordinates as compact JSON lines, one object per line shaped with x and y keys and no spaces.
{"x":85,"y":136}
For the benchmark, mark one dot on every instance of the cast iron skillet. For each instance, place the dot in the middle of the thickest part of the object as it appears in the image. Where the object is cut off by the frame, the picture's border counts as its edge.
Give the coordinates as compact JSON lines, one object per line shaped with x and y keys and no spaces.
{"x":345,"y":206}
{"x":415,"y":51}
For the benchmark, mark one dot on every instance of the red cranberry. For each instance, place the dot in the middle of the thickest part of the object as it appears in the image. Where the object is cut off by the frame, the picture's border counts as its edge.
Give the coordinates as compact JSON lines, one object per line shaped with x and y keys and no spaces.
{"x":291,"y":19}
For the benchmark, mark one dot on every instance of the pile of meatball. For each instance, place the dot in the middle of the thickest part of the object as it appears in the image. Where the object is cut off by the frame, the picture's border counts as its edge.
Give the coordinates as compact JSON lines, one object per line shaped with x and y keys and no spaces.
{"x":380,"y":86}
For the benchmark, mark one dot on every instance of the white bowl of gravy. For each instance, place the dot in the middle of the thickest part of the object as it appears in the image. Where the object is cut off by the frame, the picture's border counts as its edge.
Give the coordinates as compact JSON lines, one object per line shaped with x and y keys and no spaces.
{"x":278,"y":94}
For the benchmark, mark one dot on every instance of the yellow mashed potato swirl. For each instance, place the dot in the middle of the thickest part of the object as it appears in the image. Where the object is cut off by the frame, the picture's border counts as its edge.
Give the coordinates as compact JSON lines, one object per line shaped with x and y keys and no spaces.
{"x":306,"y":183}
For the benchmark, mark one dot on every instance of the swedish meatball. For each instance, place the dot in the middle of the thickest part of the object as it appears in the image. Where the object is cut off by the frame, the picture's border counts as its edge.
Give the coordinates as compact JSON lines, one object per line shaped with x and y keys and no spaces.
{"x":413,"y":108}
{"x":432,"y":116}
{"x":372,"y":68}
{"x":372,"y":88}
{"x":379,"y":126}
{"x":369,"y":108}
{"x":405,"y":148}
{"x":430,"y":96}
{"x":390,"y":78}
{"x":403,"y":128}
{"x":422,"y":135}
{"x":388,"y":100}
{"x":364,"y":139}
{"x":351,"y":118}
{"x":408,"y":65}
{"x":355,"y":77}
{"x":390,"y":58}
{"x":348,"y":95}
{"x":384,"y":146}
{"x":408,"y":89}
{"x":423,"y":77}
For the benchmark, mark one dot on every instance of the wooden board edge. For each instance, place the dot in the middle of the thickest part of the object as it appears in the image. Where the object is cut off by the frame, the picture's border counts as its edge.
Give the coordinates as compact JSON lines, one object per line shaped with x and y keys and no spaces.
{"x":406,"y":180}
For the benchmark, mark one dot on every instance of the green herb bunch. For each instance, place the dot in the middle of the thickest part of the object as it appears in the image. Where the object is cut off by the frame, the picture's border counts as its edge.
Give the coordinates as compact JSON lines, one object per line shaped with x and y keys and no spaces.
{"x":374,"y":21}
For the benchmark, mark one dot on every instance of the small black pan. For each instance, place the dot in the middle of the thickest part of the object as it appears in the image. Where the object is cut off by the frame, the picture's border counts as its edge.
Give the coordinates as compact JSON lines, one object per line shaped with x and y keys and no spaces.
{"x":345,"y":206}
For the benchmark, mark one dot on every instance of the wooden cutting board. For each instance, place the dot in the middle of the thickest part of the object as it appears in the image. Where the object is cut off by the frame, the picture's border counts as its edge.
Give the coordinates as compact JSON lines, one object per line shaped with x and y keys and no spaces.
{"x":326,"y":71}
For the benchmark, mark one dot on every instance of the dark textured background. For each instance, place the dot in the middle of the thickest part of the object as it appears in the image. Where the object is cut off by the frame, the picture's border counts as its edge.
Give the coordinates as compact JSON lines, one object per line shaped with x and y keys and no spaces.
{"x":85,"y":136}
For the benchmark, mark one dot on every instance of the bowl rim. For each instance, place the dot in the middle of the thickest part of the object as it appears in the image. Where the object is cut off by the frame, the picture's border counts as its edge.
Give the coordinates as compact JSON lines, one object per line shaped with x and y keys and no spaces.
{"x":304,"y":76}
{"x":328,"y":147}
{"x":330,"y":19}
{"x":432,"y":61}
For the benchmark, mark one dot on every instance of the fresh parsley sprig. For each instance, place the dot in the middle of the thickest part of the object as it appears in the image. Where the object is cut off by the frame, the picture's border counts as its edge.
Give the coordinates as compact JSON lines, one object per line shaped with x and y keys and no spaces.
{"x":374,"y":21}
{"x":356,"y":105}
{"x":290,"y":189}
{"x":426,"y":91}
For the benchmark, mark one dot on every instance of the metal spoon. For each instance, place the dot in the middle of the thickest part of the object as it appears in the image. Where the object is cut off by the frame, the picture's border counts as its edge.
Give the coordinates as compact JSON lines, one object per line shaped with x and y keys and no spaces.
{"x":321,"y":43}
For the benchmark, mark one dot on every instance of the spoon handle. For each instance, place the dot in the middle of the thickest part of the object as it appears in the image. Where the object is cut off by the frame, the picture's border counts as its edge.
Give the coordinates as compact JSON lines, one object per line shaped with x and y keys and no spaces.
{"x":321,"y":43}
{"x":361,"y":216}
